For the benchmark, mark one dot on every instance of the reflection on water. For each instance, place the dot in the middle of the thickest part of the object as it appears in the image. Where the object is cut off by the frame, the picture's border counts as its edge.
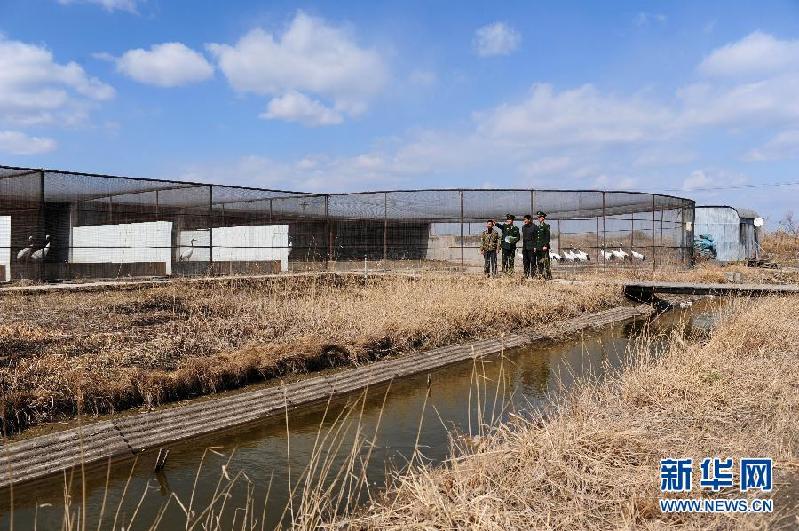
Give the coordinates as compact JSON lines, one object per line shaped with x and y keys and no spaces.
{"x":424,"y":407}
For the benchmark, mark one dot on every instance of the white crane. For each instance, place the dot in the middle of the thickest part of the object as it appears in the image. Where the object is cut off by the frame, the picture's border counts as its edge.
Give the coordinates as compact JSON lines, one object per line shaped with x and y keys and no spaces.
{"x":620,"y":254}
{"x":607,"y":255}
{"x":637,"y":255}
{"x":568,"y":255}
{"x":41,"y":254}
{"x":25,"y":253}
{"x":581,"y":256}
{"x":185,"y":255}
{"x":554,"y":256}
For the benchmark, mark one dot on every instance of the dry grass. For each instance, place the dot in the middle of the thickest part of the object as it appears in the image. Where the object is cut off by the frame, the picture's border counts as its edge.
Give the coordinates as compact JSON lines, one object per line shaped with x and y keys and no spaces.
{"x":593,"y":463}
{"x":781,"y":246}
{"x":708,"y":272}
{"x":62,"y":354}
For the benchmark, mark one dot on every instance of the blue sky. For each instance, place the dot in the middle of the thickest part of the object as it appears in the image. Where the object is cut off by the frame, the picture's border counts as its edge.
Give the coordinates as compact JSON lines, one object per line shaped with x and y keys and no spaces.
{"x":698,"y":99}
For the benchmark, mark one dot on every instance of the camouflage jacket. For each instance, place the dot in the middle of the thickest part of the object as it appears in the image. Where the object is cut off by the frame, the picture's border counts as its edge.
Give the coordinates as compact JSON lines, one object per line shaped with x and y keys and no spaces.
{"x":489,"y":241}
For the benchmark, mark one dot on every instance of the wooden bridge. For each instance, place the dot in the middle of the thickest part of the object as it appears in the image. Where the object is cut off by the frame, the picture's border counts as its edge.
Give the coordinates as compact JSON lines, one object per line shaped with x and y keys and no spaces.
{"x":645,"y":291}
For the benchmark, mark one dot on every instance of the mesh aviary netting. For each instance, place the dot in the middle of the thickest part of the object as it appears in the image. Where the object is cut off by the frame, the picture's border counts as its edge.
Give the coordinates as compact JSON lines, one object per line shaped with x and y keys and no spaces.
{"x":66,"y":225}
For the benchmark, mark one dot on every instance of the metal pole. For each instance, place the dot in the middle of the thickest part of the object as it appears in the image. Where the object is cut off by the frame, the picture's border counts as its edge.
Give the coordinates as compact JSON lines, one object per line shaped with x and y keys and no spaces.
{"x":156,"y":205}
{"x":653,"y":235}
{"x":661,"y":228}
{"x":385,"y":228}
{"x":42,"y":217}
{"x":328,"y":229}
{"x":597,"y":241}
{"x":632,"y":230}
{"x":532,"y":202}
{"x":211,"y":224}
{"x":462,"y":257}
{"x":558,"y":235}
{"x":604,"y":233}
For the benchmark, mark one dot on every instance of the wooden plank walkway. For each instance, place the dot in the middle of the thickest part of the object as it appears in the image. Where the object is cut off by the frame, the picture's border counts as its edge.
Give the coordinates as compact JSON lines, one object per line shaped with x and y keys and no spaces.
{"x":126,"y":436}
{"x":645,"y":289}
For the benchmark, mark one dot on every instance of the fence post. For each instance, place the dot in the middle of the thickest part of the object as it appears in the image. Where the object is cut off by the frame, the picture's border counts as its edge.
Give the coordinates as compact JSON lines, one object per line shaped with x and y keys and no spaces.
{"x":328,"y":231}
{"x":211,"y":224}
{"x":632,"y":230}
{"x":463,"y":264}
{"x":604,"y":234}
{"x":42,"y":219}
{"x":385,"y":229}
{"x":661,"y":228}
{"x":653,"y":235}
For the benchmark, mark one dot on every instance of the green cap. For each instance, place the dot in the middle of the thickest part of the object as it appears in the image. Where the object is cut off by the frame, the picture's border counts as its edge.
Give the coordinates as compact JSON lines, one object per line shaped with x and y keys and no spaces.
{"x":510,"y":216}
{"x":540,"y":214}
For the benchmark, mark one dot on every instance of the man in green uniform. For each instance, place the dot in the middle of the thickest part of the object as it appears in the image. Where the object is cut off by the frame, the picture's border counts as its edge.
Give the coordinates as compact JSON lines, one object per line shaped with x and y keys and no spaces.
{"x":542,"y":247}
{"x":510,"y":236}
{"x":489,"y":245}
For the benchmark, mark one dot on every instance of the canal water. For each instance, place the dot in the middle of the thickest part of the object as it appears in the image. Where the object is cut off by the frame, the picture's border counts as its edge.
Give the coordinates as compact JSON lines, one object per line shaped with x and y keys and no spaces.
{"x":365,"y":435}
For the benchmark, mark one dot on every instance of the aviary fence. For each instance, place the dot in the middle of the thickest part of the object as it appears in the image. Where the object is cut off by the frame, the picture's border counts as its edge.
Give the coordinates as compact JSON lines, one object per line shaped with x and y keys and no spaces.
{"x":58,"y":225}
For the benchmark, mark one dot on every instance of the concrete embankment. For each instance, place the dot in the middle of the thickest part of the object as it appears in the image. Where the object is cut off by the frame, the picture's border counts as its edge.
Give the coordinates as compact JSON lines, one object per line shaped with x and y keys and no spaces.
{"x":129,"y":435}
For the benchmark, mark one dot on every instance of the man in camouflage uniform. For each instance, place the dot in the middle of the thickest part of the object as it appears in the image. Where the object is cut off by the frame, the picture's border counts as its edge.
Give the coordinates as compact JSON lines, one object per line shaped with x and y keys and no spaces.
{"x":542,"y":247}
{"x":510,"y":237}
{"x":489,"y":244}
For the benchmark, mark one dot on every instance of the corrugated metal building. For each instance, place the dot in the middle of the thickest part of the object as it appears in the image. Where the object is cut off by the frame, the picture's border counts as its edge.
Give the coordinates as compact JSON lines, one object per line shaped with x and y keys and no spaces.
{"x":736,"y":231}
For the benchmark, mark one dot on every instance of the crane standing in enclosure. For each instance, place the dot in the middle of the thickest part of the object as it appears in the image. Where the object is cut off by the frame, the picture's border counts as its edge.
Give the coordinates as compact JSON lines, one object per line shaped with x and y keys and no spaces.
{"x":542,"y":245}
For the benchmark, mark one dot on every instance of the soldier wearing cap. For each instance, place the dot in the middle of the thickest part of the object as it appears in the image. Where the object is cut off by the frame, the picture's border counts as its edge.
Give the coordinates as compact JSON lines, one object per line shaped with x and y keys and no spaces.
{"x":529,"y":234}
{"x":542,"y":246}
{"x":510,"y":236}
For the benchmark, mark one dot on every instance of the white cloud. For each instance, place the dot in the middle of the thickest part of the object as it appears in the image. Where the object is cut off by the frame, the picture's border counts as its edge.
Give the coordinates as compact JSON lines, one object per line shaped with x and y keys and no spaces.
{"x":644,"y":19}
{"x":297,"y":107}
{"x":311,"y":57}
{"x":17,"y":143}
{"x":546,"y":166}
{"x":579,"y":116}
{"x":166,"y":65}
{"x":130,"y":6}
{"x":707,"y":179}
{"x":496,"y":39}
{"x":785,"y":145}
{"x":34,"y":89}
{"x":756,"y":54}
{"x":615,"y":183}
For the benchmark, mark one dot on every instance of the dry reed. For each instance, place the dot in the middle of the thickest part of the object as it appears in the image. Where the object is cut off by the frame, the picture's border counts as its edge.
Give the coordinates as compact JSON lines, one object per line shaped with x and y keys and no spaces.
{"x":593,"y":463}
{"x":62,"y":354}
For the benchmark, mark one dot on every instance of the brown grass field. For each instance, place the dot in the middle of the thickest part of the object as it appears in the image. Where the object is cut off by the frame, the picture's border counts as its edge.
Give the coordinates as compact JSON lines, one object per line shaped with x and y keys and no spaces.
{"x":65,"y":354}
{"x":593,"y":462}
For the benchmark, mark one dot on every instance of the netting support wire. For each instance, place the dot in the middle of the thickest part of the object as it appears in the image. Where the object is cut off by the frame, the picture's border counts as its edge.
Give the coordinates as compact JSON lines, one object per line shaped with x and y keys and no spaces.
{"x":597,"y":242}
{"x":604,"y":234}
{"x":42,"y":215}
{"x":328,"y":230}
{"x":558,"y":235}
{"x":653,"y":235}
{"x":385,"y":228}
{"x":462,"y":236}
{"x":661,"y":228}
{"x":632,"y":231}
{"x":211,"y":224}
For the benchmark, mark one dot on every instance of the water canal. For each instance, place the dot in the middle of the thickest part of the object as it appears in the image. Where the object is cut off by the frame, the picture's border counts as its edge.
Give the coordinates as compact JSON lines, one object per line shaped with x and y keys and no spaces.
{"x":415,"y":414}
